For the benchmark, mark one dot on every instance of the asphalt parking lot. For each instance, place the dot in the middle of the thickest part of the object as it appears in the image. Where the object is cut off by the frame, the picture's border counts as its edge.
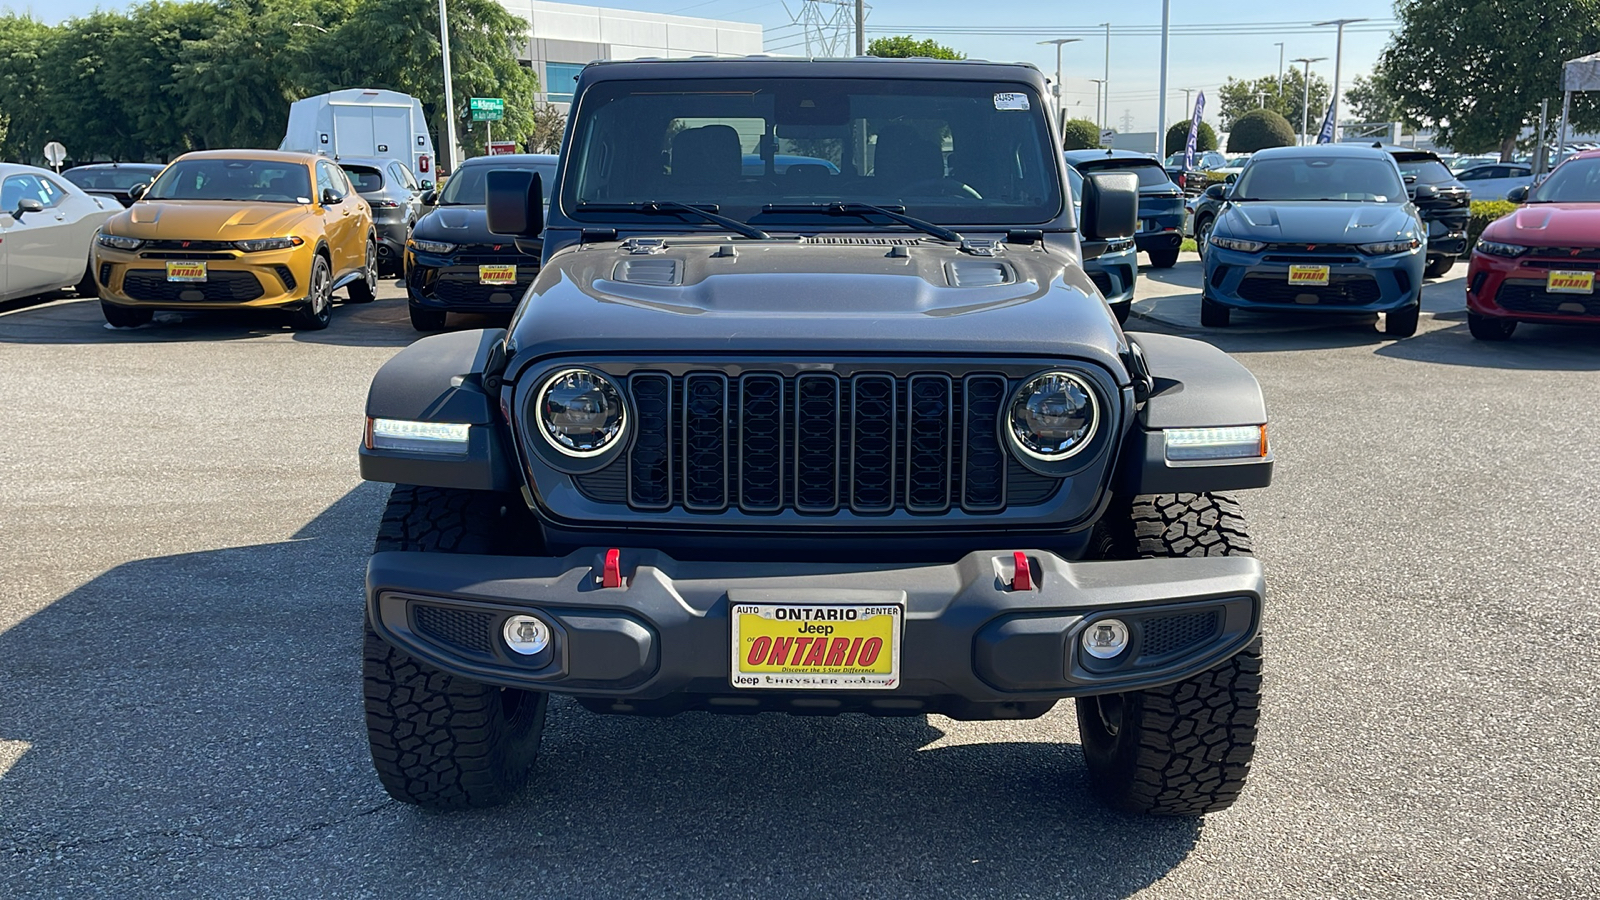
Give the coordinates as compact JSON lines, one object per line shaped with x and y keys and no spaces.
{"x":183,"y":534}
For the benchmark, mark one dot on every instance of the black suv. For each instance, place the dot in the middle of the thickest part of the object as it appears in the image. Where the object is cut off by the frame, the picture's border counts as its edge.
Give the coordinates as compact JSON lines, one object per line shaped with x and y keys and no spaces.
{"x":1445,"y":204}
{"x":856,"y":435}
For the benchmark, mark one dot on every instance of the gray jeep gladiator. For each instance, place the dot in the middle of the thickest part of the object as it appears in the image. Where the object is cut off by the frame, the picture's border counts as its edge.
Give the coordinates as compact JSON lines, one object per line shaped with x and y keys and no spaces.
{"x":813,"y":409}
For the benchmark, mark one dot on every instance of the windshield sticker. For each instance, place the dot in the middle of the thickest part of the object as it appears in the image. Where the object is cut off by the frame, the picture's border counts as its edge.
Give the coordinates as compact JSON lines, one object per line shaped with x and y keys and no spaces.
{"x":1010,"y":101}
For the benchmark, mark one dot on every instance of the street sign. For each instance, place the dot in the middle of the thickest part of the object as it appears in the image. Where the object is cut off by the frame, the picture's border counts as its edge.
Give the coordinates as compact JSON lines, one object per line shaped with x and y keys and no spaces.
{"x":1107,"y":135}
{"x":487,"y":109}
{"x":55,"y":154}
{"x":502,"y":148}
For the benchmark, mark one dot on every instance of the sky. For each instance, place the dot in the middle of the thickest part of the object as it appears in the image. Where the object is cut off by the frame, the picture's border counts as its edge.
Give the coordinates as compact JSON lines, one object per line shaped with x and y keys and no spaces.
{"x":1242,"y":42}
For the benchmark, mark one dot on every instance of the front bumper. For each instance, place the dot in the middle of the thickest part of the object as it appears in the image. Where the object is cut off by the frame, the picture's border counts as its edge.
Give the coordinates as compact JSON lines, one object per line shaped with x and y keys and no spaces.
{"x":971,"y":647}
{"x":453,"y":284}
{"x":234,"y":279}
{"x":1355,"y":283}
{"x":1515,"y":289}
{"x":1115,"y":276}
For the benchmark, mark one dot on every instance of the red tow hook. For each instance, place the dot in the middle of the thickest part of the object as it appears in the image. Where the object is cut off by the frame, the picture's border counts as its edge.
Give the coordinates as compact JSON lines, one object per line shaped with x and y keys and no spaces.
{"x":612,"y":575}
{"x":1023,"y":579}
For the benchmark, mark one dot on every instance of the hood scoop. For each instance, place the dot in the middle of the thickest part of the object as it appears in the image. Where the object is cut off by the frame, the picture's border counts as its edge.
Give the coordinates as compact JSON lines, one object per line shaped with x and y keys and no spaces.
{"x":660,"y":271}
{"x":975,"y":273}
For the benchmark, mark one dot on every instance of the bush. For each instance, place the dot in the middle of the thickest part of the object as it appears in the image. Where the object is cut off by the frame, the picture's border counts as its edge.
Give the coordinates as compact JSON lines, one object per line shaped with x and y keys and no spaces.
{"x":1079,"y":134}
{"x":1260,"y":129}
{"x":1484,"y":212}
{"x":1178,"y":136}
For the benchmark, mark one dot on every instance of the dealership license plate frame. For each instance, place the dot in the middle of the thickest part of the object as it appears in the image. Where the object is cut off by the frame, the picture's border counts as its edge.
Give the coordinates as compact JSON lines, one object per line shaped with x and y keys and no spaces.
{"x":497,"y":275}
{"x":187,"y":272}
{"x":752,"y":622}
{"x":1583,"y":281}
{"x":1319,"y":275}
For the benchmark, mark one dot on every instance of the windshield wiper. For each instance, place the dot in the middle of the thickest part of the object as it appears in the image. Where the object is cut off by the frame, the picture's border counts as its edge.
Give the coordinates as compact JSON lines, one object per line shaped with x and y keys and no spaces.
{"x":671,"y":207}
{"x":896,"y":213}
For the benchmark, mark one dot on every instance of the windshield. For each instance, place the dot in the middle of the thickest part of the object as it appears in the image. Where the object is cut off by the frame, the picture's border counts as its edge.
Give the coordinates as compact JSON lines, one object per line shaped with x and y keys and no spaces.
{"x":245,"y":180}
{"x":109,"y":179}
{"x":467,"y":187}
{"x":954,"y":152}
{"x":1428,"y":171}
{"x":1320,"y":178}
{"x":365,"y":179}
{"x":1574,"y":181}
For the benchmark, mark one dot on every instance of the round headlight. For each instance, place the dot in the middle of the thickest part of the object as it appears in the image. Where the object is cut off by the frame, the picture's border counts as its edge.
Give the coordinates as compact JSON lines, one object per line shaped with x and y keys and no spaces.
{"x":580,"y":412}
{"x":1053,"y":416}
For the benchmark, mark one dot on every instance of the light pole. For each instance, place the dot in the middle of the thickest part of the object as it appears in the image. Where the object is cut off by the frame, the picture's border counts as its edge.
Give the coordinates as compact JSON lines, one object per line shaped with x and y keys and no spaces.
{"x":1105,"y":84}
{"x":449,"y":92}
{"x":1161,"y":105}
{"x":1280,"y":69}
{"x":861,"y":27}
{"x":1099,"y":116}
{"x":1338,"y":58}
{"x":1305,"y":104}
{"x":1061,"y":110}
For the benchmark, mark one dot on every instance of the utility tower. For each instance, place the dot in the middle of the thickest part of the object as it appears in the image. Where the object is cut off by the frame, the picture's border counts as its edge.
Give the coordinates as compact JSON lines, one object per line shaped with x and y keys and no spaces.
{"x":828,"y":26}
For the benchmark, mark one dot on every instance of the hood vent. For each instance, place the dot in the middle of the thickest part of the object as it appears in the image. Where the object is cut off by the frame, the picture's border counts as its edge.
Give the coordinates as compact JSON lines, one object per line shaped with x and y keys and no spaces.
{"x":973,"y":273}
{"x":659,"y":271}
{"x":870,"y":241}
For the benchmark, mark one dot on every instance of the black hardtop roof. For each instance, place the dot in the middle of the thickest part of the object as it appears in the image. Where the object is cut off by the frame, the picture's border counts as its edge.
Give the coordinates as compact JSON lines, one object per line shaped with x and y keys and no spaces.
{"x":797,"y":67}
{"x":514,"y":160}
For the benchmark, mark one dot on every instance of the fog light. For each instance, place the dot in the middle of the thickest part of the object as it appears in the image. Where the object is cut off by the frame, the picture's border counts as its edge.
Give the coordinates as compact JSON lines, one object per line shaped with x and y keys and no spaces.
{"x":1105,"y":638}
{"x":527,"y":635}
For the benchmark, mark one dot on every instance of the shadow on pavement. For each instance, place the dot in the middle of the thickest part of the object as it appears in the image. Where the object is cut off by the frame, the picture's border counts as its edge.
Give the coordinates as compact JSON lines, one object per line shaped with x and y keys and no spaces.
{"x":1554,"y":348}
{"x":192,"y":724}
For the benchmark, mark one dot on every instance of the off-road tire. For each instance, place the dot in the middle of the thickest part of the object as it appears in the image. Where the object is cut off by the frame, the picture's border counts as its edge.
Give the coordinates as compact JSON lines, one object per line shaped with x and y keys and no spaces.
{"x":1164,"y":259}
{"x":1402,"y":323}
{"x":365,"y":288}
{"x":438,"y":740}
{"x":1439,"y":267}
{"x":1214,"y":314}
{"x":316,"y":313}
{"x":1487,"y":328}
{"x":125,"y":316}
{"x":426,"y":319}
{"x":1183,"y":749}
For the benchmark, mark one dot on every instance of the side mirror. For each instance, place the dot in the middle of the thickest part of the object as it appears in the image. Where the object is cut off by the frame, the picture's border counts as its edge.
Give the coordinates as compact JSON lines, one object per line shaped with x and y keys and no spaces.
{"x":1110,"y":206}
{"x":426,"y":185}
{"x":516,"y":202}
{"x":1518,"y":194}
{"x":1425,"y":192}
{"x":429,"y":197}
{"x":136,"y":193}
{"x":1217,"y":191}
{"x":27,"y":206}
{"x":330,"y":197}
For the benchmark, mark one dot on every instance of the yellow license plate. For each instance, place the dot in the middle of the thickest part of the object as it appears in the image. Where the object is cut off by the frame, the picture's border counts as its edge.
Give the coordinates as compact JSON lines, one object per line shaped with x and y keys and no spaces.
{"x":497,"y":274}
{"x":186,"y":271}
{"x":822,"y":647}
{"x":1561,"y":281}
{"x":1308,"y":275}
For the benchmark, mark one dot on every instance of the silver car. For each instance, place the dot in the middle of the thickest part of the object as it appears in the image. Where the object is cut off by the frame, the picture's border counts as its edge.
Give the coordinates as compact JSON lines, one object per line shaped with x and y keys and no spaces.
{"x":395,"y":196}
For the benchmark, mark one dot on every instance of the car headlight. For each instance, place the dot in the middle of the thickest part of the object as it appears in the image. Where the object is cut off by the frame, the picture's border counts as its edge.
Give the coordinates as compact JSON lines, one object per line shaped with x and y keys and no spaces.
{"x":256,"y":245}
{"x":431,"y":246}
{"x":1053,"y":416}
{"x":1495,"y":248}
{"x":1384,"y":248}
{"x":1228,"y":243}
{"x":580,"y":412}
{"x":119,"y":243}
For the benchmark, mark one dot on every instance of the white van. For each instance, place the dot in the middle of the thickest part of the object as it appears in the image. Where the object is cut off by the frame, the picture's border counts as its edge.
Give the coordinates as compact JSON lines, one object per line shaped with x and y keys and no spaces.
{"x":363,"y":122}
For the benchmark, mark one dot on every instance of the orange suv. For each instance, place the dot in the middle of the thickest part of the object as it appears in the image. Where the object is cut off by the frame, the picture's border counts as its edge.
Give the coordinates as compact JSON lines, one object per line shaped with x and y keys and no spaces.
{"x":239,"y":229}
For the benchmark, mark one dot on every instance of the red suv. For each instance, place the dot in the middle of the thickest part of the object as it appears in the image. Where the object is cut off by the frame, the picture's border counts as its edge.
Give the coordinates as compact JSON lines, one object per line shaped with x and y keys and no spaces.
{"x":1538,"y":264}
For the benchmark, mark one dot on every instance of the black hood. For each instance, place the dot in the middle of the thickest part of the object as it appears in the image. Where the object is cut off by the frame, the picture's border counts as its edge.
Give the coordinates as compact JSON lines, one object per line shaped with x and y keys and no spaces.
{"x":457,"y":225}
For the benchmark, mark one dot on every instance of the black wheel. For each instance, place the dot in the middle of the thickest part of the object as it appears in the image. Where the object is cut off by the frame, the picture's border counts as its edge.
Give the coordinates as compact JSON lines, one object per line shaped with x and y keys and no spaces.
{"x":1202,"y":235}
{"x":365,"y":290}
{"x":1214,"y":314}
{"x":1440,"y":267}
{"x":125,"y":316}
{"x":426,"y":319}
{"x":317,"y":311}
{"x":438,"y":740}
{"x":1486,"y":328}
{"x":1122,"y":311}
{"x":1402,"y":323}
{"x":1183,"y":749}
{"x":1164,"y":259}
{"x":87,"y":286}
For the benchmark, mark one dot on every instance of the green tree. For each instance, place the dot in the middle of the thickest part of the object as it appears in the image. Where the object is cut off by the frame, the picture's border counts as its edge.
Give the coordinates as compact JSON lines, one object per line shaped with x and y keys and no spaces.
{"x":1260,"y":129}
{"x":1239,"y":96}
{"x":1205,"y":137}
{"x":1478,"y":69}
{"x":24,"y":42}
{"x":1079,"y":134}
{"x":549,"y":125}
{"x":904,"y":46}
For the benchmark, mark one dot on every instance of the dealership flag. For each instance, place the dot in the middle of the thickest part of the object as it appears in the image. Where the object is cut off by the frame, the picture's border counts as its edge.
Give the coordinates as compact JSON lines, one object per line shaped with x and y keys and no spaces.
{"x":1325,"y":134}
{"x":1194,"y":131}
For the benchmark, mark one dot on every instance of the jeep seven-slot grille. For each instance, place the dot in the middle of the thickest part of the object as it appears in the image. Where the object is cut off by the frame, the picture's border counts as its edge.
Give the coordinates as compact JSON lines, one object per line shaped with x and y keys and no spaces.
{"x":818,"y":442}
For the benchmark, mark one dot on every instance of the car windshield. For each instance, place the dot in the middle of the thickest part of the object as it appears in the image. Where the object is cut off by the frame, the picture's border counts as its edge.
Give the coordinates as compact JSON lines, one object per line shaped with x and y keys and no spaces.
{"x":1320,"y":178}
{"x":954,"y":152}
{"x":1427,"y":170}
{"x":468,"y":186}
{"x":1574,"y":181}
{"x":109,"y":179}
{"x":366,"y":179}
{"x":244,"y":180}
